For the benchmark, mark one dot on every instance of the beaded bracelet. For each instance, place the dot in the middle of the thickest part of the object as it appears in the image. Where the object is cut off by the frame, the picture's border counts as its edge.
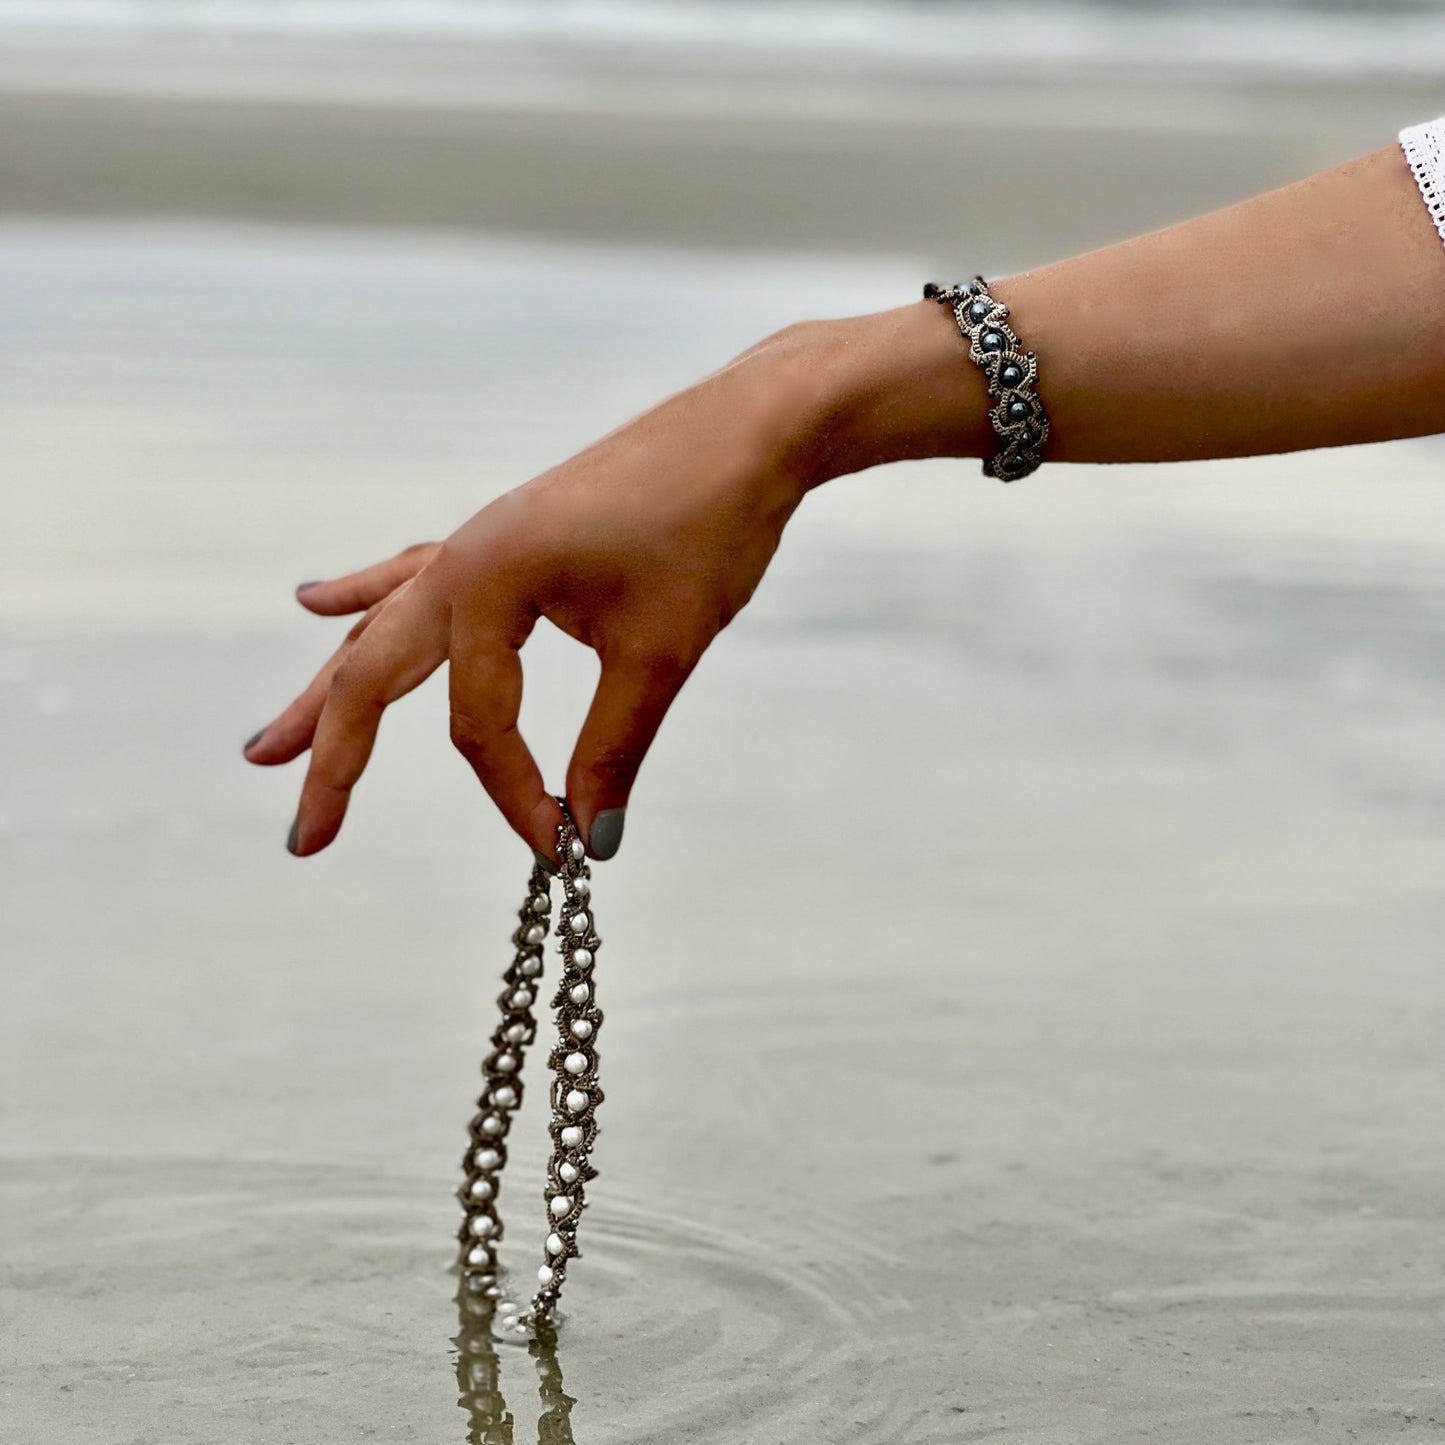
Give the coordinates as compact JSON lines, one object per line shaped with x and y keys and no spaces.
{"x":1018,"y":414}
{"x":575,"y":1092}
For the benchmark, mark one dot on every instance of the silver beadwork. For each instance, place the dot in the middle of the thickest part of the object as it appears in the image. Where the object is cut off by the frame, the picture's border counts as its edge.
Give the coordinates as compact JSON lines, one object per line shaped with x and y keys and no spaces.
{"x":575,"y":1093}
{"x":1018,"y":417}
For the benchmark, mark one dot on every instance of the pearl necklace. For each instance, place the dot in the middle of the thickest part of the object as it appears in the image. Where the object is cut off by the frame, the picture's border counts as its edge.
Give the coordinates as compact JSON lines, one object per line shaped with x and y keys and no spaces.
{"x":575,"y":1094}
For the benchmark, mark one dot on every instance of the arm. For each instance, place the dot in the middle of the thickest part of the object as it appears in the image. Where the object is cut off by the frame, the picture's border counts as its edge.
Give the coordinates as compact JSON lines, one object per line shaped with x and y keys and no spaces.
{"x":1310,"y":316}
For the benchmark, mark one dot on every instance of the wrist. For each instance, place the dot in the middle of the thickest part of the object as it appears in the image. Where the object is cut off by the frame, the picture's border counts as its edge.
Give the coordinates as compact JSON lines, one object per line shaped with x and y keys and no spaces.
{"x":890,"y":386}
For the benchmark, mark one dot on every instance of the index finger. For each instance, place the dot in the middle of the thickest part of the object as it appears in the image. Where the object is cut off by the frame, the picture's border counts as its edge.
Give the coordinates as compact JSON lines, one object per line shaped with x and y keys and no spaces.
{"x":486,"y":699}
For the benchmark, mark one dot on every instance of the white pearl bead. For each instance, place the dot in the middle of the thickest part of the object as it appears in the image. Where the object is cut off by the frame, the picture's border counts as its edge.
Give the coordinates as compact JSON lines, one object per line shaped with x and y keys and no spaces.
{"x":544,"y":1274}
{"x":478,"y":1255}
{"x":578,"y":851}
{"x":579,"y":993}
{"x":486,"y":1158}
{"x":567,"y":1173}
{"x":531,"y":967}
{"x":578,"y":922}
{"x":506,"y":1063}
{"x":555,"y":1244}
{"x":581,"y":1028}
{"x":561,"y":1206}
{"x":575,"y":1063}
{"x":536,"y":933}
{"x":481,"y":1225}
{"x":515,"y":1034}
{"x":541,"y":903}
{"x":492,"y":1125}
{"x":481,"y":1188}
{"x":582,"y":957}
{"x":577,"y":1100}
{"x":572,"y":1136}
{"x":522,"y":998}
{"x":583,"y":887}
{"x":506,"y":1096}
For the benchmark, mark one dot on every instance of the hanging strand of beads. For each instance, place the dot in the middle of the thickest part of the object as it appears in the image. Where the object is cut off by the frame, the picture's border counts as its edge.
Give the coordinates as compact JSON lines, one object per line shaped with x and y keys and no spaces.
{"x":575,"y":1092}
{"x":486,"y":1155}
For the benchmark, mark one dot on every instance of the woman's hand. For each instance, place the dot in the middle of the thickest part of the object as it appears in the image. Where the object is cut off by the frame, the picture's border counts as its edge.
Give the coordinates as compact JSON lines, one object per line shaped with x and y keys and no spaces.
{"x":644,"y":547}
{"x":1305,"y":317}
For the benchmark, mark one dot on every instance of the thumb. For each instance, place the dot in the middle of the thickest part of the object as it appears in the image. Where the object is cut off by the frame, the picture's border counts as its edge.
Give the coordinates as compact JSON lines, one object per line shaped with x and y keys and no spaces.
{"x":632,"y":697}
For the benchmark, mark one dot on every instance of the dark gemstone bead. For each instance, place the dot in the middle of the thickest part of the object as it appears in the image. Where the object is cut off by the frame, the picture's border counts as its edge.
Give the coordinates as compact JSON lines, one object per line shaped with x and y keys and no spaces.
{"x":978,"y":310}
{"x":1018,"y":411}
{"x":991,"y":341}
{"x":1010,"y":376}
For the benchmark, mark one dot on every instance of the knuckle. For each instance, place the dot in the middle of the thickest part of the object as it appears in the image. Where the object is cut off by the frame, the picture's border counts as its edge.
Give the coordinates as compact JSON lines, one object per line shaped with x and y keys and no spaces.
{"x":471,"y":736}
{"x":344,"y":680}
{"x":443,"y":560}
{"x":658,"y":659}
{"x":616,"y":762}
{"x":363,"y":622}
{"x":464,"y":733}
{"x":670,"y":661}
{"x":350,"y":682}
{"x":796,"y":331}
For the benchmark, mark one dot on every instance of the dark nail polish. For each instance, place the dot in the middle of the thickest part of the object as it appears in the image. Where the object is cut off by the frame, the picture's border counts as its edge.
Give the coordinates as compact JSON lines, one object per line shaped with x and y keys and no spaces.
{"x":304,"y":585}
{"x":291,"y":836}
{"x":253,"y":740}
{"x":605,"y":837}
{"x":548,"y":865}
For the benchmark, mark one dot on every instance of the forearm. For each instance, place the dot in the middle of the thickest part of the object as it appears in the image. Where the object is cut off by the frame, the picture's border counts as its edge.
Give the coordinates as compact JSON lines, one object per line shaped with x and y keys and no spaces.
{"x":1310,"y":316}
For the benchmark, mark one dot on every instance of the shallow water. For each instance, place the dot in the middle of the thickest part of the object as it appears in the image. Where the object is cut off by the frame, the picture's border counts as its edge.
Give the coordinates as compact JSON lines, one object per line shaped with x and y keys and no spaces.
{"x":1022,"y":975}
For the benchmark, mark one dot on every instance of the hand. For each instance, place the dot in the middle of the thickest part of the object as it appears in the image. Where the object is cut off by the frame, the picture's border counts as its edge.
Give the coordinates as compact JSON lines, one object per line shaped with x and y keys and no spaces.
{"x":644,"y":547}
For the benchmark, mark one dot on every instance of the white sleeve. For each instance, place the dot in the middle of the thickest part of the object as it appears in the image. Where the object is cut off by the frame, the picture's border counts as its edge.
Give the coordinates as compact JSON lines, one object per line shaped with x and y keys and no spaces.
{"x":1424,"y":147}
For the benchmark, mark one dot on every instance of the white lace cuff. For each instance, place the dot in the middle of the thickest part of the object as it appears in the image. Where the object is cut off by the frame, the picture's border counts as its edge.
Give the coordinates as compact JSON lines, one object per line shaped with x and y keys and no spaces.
{"x":1424,"y":147}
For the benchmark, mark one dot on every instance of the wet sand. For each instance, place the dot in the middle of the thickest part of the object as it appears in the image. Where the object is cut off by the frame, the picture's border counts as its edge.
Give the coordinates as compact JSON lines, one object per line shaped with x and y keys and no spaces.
{"x":1022,"y":972}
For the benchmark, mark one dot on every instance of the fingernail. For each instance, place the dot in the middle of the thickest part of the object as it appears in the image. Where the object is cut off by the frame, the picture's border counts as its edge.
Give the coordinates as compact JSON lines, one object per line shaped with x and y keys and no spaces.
{"x":252,"y":741}
{"x":548,"y":865}
{"x":304,"y":585}
{"x":605,"y":837}
{"x":291,"y":836}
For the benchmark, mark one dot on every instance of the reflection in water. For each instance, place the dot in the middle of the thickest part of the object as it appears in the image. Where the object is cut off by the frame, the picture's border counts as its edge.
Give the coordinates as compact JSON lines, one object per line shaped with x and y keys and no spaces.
{"x":489,"y":1422}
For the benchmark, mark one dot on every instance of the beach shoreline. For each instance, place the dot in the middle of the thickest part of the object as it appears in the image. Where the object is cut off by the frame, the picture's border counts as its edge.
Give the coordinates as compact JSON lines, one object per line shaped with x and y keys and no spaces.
{"x":1012,"y":168}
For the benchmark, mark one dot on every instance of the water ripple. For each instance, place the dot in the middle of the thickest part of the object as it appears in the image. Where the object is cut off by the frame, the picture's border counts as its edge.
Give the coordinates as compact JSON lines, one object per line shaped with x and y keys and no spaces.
{"x":736,"y":1336}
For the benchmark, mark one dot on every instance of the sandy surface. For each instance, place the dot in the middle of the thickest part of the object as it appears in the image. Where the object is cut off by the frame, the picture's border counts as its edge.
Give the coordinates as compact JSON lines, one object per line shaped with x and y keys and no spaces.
{"x":1022,"y":973}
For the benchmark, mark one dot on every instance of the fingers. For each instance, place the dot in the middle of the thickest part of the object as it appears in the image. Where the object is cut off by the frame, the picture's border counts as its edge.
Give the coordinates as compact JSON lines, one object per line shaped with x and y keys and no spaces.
{"x":359,"y":590}
{"x":633,"y":695}
{"x":290,"y":734}
{"x":402,"y":647}
{"x":486,"y":698}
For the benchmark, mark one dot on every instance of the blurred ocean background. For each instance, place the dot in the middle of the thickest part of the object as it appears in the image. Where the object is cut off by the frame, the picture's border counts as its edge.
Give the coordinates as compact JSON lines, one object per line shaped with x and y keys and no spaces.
{"x":1022,"y":973}
{"x":1289,"y":34}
